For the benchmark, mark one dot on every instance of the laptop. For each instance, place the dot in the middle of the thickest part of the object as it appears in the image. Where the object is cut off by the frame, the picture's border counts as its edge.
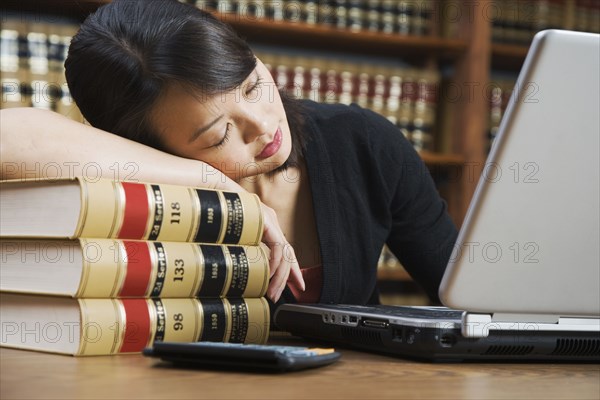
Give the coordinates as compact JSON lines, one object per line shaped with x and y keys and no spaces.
{"x":523,"y":282}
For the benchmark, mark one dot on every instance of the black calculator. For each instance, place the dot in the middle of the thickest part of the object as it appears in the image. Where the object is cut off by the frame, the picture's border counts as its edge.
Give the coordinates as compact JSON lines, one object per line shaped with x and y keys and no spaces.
{"x":246,"y":357}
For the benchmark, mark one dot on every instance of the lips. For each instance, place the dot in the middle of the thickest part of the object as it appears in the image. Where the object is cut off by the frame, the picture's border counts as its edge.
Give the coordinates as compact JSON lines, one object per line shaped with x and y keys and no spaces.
{"x":272,"y":147}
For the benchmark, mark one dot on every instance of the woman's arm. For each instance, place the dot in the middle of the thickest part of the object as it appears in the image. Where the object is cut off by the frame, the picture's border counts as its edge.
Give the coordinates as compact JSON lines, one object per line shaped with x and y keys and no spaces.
{"x":36,"y":143}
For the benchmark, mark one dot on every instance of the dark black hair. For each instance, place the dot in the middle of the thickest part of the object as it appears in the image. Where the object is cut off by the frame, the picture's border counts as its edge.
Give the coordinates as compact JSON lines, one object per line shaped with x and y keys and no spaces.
{"x":127,"y":52}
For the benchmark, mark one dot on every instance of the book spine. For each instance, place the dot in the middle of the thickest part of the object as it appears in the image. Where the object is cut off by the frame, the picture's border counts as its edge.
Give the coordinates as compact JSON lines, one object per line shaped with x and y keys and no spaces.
{"x":112,"y":326}
{"x":139,"y":211}
{"x":117,"y":268}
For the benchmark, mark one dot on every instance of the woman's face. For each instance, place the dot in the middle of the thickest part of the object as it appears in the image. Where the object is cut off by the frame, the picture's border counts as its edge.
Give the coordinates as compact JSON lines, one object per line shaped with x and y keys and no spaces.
{"x":243,"y":132}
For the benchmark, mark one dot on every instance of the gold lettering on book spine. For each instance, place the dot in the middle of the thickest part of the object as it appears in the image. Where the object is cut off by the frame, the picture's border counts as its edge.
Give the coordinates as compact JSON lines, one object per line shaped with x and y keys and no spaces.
{"x":151,"y":211}
{"x":182,"y":270}
{"x":179,"y":214}
{"x":153,"y":314}
{"x":105,"y":266}
{"x":153,"y":269}
{"x":182,"y":320}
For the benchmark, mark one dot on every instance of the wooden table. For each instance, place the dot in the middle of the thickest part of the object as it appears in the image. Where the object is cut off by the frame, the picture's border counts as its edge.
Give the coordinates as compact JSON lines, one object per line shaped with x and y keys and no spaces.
{"x":31,"y":375}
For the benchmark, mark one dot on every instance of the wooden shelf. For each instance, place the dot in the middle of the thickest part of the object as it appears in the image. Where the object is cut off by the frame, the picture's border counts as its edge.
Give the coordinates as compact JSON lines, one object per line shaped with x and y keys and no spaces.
{"x":442,"y":159}
{"x":363,"y":42}
{"x":77,"y":9}
{"x":508,"y":56}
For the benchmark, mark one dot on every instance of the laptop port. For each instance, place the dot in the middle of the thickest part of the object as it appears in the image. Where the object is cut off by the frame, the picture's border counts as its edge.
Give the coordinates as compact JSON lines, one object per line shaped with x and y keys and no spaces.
{"x":447,"y":340}
{"x":399,"y":334}
{"x":373,"y":323}
{"x":353,"y":319}
{"x":344,"y":319}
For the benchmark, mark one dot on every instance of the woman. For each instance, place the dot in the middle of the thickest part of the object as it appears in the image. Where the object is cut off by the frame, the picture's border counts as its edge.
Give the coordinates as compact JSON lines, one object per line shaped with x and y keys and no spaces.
{"x":341,"y":180}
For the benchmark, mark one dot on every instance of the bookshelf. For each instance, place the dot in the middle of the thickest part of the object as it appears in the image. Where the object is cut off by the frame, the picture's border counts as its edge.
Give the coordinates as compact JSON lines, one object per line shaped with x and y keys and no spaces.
{"x":465,"y":49}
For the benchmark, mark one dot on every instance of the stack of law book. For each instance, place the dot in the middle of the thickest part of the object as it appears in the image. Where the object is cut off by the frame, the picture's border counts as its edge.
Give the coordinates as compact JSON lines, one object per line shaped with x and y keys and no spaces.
{"x":99,"y":267}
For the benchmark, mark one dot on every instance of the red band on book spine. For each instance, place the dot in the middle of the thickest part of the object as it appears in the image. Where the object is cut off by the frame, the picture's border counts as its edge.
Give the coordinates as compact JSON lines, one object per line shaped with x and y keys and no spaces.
{"x":137,"y":326}
{"x":139,"y":269}
{"x":136,"y":211}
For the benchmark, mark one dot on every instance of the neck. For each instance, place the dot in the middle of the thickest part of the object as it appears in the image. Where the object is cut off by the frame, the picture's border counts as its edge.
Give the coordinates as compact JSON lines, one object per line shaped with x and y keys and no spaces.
{"x":288,"y":193}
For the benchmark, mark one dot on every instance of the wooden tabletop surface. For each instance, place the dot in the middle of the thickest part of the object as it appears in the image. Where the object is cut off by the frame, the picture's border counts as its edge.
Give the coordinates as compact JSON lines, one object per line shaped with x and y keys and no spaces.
{"x":358,"y":375}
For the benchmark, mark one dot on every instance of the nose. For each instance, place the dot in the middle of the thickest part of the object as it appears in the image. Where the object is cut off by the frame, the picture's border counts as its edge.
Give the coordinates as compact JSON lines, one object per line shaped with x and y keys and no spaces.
{"x":255,"y":125}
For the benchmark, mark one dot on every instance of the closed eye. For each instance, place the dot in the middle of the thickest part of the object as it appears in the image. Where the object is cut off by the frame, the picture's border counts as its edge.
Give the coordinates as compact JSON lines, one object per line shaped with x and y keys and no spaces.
{"x":254,"y":87}
{"x":225,"y":139}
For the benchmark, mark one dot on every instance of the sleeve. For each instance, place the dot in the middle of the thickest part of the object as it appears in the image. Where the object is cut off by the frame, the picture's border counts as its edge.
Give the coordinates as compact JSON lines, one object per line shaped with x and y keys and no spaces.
{"x":421,"y":234}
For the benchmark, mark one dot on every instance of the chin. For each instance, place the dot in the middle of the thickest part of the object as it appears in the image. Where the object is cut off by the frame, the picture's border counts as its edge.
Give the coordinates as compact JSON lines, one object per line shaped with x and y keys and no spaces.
{"x":284,"y":153}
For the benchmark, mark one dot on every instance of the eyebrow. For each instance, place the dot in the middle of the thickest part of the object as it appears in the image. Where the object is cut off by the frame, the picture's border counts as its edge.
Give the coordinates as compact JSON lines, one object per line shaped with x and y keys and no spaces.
{"x":200,"y":131}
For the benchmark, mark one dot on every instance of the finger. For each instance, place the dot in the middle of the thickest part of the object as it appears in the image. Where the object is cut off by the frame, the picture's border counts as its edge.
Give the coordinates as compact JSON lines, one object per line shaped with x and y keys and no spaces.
{"x":273,"y":240}
{"x":295,"y":272}
{"x":297,"y":277}
{"x":275,"y":257}
{"x":278,"y":281}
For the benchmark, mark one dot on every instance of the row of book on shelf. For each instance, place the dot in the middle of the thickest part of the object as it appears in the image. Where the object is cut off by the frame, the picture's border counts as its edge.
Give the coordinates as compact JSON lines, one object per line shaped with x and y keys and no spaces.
{"x":500,"y":92}
{"x":513,"y":21}
{"x":32,"y":64}
{"x":32,"y":67}
{"x":406,"y":96}
{"x":517,"y":21}
{"x":412,"y":17}
{"x":99,"y":267}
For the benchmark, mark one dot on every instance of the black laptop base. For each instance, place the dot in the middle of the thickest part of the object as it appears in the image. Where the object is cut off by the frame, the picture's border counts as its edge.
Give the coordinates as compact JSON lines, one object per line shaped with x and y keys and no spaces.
{"x":442,"y":344}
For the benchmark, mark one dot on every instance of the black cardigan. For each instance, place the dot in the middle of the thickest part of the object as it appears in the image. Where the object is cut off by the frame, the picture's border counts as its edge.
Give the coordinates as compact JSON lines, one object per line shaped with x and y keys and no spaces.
{"x":370,"y":187}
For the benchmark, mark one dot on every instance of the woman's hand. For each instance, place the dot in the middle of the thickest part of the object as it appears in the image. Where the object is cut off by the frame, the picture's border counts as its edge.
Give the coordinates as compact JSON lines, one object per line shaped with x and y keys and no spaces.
{"x":282,"y":260}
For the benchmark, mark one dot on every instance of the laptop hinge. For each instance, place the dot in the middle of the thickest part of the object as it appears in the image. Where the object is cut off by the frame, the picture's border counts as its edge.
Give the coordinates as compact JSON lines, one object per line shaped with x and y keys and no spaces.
{"x":480,"y":325}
